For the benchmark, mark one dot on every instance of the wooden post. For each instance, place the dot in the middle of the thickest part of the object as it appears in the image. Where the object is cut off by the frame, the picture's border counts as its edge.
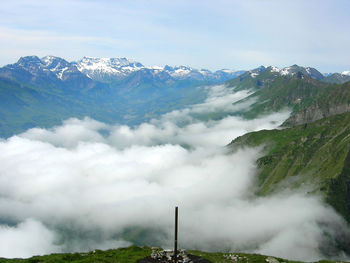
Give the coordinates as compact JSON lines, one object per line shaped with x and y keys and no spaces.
{"x":175,"y":243}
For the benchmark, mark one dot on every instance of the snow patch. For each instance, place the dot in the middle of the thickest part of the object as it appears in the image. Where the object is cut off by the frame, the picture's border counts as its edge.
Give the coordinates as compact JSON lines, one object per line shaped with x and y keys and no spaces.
{"x":286,"y":71}
{"x":107,"y":66}
{"x":60,"y":73}
{"x":47,"y":59}
{"x":157,"y":68}
{"x":275,"y":69}
{"x":229,"y":71}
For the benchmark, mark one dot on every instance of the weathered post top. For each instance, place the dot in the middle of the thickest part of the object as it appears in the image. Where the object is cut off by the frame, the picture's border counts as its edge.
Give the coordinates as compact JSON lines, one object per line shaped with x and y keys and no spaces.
{"x":175,"y":243}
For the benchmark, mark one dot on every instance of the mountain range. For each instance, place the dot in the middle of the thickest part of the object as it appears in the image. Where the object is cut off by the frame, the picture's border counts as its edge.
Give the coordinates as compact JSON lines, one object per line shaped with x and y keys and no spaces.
{"x":105,"y":70}
{"x":43,"y":91}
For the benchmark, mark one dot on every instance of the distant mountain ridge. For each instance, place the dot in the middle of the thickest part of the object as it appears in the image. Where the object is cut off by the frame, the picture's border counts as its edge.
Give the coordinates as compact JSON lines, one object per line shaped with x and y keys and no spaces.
{"x":287,"y":71}
{"x":44,"y":91}
{"x":338,"y":78}
{"x":111,"y":69}
{"x":117,"y":68}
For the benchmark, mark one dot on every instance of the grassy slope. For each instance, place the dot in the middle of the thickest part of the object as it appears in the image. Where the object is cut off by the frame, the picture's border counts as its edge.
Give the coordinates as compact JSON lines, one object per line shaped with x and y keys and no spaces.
{"x":310,"y":154}
{"x":133,"y":254}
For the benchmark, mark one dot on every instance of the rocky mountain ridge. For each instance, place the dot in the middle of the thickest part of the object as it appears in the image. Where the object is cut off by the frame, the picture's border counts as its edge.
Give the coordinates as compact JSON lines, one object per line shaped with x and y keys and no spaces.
{"x":110,"y":69}
{"x":274,"y":72}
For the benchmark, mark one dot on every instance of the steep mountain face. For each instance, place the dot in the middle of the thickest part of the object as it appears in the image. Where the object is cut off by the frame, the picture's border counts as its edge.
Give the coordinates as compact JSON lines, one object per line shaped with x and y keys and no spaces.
{"x":313,"y":157}
{"x":332,"y":100}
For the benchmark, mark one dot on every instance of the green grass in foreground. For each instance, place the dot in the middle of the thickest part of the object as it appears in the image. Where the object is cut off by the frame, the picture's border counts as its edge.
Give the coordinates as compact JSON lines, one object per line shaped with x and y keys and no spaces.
{"x":134,"y":253}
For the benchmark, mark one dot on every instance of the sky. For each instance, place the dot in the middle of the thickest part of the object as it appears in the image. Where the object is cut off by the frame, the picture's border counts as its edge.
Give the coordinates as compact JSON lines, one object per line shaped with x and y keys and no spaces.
{"x":218,"y":34}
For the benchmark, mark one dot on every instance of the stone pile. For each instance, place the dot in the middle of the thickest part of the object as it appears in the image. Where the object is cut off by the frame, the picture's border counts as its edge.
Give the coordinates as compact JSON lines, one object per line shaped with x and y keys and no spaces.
{"x":168,"y":255}
{"x":235,"y":258}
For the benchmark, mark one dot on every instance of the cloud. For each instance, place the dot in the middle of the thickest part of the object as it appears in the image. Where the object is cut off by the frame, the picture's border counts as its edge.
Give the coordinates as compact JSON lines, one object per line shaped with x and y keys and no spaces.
{"x":28,"y":238}
{"x":87,"y":185}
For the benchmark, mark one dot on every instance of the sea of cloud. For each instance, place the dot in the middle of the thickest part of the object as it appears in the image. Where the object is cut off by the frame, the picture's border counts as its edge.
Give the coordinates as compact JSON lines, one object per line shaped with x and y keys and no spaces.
{"x":85,"y":185}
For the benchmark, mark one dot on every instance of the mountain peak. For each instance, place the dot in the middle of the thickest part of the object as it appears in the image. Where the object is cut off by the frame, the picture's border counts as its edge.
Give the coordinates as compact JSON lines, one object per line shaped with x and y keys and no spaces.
{"x":54,"y":62}
{"x":23,"y":61}
{"x":294,"y":69}
{"x":107,"y":68}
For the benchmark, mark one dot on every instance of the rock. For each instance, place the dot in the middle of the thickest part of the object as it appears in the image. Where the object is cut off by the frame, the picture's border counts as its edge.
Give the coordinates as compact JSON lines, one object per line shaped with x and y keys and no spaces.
{"x":271,"y":260}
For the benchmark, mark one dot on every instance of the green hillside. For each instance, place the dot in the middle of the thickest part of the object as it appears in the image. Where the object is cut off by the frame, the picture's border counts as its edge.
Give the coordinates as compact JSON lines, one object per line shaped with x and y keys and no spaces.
{"x":246,"y":81}
{"x":294,"y":93}
{"x":23,"y":106}
{"x":309,"y":99}
{"x":273,"y":92}
{"x":314,"y":155}
{"x":133,"y":254}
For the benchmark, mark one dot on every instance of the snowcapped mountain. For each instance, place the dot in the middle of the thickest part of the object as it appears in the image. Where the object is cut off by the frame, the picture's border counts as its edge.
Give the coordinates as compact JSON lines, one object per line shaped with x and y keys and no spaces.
{"x":271,"y":72}
{"x":90,"y":72}
{"x":48,"y":71}
{"x":109,"y":69}
{"x":48,"y":65}
{"x":106,"y":69}
{"x":287,"y":71}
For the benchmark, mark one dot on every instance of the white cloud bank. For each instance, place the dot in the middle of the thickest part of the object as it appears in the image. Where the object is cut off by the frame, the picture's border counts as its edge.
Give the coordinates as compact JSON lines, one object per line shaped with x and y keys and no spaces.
{"x":86,"y":185}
